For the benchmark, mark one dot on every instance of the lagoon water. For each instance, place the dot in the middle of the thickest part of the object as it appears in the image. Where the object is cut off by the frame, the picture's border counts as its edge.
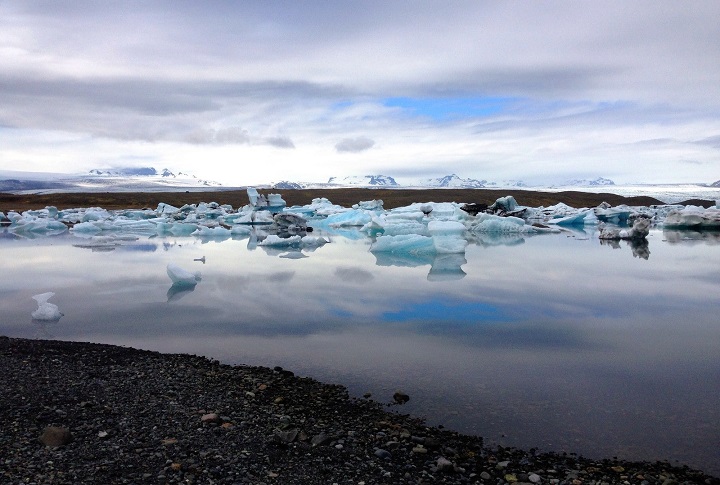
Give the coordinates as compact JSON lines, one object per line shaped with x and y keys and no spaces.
{"x":556,"y":341}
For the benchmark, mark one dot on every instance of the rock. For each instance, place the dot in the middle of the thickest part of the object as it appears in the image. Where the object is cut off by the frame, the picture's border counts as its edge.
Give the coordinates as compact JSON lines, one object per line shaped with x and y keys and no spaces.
{"x":400,"y":397}
{"x":287,"y":436}
{"x":444,"y":465}
{"x":485,"y":476}
{"x":210,"y":418}
{"x":534,"y":478}
{"x":55,"y":436}
{"x":320,"y":439}
{"x":384,"y":454}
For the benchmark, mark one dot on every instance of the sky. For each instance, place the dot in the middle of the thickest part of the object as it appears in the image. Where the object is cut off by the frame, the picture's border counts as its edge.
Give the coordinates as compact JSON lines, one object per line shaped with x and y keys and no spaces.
{"x":256,"y":92}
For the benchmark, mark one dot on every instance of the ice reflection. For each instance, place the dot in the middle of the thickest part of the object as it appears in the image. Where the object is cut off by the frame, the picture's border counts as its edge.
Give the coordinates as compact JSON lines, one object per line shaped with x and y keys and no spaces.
{"x":692,"y":237}
{"x":640,"y":247}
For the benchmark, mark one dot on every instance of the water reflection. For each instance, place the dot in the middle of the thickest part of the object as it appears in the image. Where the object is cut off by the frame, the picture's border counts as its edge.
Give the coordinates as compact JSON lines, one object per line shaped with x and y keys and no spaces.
{"x":556,"y":343}
{"x":640,"y":247}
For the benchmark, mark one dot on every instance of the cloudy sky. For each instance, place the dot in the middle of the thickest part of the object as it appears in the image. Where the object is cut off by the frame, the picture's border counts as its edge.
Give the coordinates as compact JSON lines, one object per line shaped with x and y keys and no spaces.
{"x":253,"y":92}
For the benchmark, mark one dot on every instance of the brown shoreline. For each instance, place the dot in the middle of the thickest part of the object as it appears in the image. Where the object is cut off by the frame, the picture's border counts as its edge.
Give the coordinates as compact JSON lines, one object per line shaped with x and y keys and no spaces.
{"x":346,"y":197}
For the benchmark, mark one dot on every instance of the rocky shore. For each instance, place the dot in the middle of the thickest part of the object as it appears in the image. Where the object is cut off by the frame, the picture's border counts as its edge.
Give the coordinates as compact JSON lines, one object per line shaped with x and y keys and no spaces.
{"x":87,"y":413}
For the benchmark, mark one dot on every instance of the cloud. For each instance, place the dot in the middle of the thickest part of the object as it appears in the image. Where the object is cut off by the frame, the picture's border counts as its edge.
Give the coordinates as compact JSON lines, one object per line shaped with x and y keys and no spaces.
{"x":354,"y":145}
{"x":280,"y":142}
{"x":486,"y":89}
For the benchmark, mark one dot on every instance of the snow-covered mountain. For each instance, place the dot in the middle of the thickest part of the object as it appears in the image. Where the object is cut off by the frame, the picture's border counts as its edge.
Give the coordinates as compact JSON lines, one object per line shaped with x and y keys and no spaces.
{"x":715,"y":184}
{"x":364,"y":181}
{"x":598,"y":182}
{"x":135,"y":177}
{"x":123,"y":179}
{"x":453,"y":181}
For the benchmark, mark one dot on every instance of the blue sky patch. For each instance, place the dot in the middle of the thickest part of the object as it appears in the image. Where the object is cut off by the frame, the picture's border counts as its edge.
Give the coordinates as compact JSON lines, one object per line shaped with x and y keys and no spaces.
{"x":449,"y":108}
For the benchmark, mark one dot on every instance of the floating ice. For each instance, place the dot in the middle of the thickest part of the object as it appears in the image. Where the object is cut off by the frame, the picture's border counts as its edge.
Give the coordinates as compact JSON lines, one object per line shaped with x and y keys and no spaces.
{"x":693,"y":217}
{"x":580,"y":218}
{"x":504,"y":204}
{"x":277,"y":241}
{"x":46,"y":311}
{"x":488,"y":223}
{"x":616,"y":215}
{"x":164,"y":208}
{"x":212,"y":232}
{"x":369,"y":205}
{"x":411,"y":244}
{"x":181,"y":277}
{"x":640,"y":230}
{"x":350,"y":218}
{"x":86,"y":228}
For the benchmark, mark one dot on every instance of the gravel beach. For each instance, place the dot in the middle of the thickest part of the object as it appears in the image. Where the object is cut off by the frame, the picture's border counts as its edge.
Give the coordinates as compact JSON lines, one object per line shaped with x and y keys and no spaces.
{"x":87,"y":413}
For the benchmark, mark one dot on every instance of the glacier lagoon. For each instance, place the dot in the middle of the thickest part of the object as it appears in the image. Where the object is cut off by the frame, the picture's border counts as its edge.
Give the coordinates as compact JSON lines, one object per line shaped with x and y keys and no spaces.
{"x":557,"y":341}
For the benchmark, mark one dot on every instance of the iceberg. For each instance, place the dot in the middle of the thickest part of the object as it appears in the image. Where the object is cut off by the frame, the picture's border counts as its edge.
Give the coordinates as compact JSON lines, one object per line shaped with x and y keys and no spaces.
{"x":46,"y":311}
{"x":349,"y":218}
{"x":639,"y":230}
{"x":489,"y":223}
{"x":85,"y":228}
{"x":212,"y":232}
{"x":447,"y":236}
{"x":504,"y":204}
{"x":580,"y":218}
{"x":181,"y":277}
{"x":369,"y":205}
{"x":693,"y":217}
{"x":277,"y":241}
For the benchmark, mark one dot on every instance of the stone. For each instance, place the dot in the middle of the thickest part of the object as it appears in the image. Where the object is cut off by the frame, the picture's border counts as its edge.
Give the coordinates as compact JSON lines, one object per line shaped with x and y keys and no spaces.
{"x":384,"y":454}
{"x":534,"y":478}
{"x":287,"y":436}
{"x":320,"y":439}
{"x":210,"y":418}
{"x":400,"y":397}
{"x":55,"y":436}
{"x":444,"y":465}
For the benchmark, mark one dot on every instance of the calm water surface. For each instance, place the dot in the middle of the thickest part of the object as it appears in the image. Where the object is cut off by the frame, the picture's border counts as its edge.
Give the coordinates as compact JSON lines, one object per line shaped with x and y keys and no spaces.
{"x":555,"y":341}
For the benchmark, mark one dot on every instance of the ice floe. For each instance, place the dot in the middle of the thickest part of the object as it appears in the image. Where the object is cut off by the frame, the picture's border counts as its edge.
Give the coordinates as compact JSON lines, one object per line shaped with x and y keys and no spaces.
{"x":46,"y":311}
{"x":182,"y":277}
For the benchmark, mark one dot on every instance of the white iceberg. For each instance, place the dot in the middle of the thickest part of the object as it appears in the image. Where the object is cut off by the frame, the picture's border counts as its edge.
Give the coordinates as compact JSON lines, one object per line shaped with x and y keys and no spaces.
{"x":277,"y":241}
{"x":46,"y":311}
{"x":212,"y":232}
{"x":85,"y":228}
{"x":488,"y":223}
{"x":182,"y":277}
{"x":693,"y":217}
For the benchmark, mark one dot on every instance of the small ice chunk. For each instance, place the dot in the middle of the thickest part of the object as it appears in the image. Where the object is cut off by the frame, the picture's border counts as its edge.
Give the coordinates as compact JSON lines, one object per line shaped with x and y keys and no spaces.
{"x":86,"y":228}
{"x":369,"y":205}
{"x":46,"y":311}
{"x":275,"y":200}
{"x":314,"y":241}
{"x":504,"y":204}
{"x":212,"y":232}
{"x":182,"y":277}
{"x":277,"y":241}
{"x":164,"y":208}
